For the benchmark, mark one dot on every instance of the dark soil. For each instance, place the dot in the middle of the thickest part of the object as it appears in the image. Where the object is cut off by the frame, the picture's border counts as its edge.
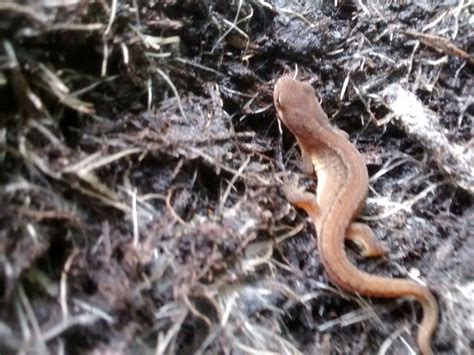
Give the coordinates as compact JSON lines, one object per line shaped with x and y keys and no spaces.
{"x":141,"y":165}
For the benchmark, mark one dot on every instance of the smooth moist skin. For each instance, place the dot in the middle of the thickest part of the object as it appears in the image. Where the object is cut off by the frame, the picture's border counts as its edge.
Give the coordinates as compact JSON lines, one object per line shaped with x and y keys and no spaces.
{"x":340,"y":196}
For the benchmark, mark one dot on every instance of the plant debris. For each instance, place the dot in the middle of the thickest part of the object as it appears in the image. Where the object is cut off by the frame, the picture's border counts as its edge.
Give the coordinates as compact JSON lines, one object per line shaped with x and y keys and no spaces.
{"x":142,"y":165}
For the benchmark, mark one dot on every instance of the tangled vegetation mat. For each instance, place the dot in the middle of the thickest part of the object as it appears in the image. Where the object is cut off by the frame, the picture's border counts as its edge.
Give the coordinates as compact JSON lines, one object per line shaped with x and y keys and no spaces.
{"x":141,"y":166}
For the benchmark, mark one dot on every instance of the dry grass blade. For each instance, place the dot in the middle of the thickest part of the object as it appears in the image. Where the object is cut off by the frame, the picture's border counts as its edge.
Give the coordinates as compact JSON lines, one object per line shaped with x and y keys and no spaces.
{"x":29,"y":103}
{"x":56,"y":86}
{"x":173,"y":88}
{"x":96,"y":161}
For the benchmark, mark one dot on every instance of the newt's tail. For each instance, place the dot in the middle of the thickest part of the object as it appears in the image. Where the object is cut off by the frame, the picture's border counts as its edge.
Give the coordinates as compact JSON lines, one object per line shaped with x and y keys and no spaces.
{"x":346,"y":275}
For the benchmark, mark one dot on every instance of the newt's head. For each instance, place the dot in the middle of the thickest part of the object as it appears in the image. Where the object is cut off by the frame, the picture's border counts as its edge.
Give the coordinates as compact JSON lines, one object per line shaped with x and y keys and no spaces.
{"x":298,"y":107}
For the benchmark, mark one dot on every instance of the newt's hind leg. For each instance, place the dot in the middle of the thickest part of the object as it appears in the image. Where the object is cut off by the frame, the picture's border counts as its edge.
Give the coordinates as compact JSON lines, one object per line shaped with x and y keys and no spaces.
{"x":364,"y":238}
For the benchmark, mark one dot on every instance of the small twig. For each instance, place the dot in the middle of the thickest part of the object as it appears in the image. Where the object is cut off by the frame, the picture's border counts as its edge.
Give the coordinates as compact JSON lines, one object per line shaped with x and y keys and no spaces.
{"x":49,"y":215}
{"x":440,"y":44}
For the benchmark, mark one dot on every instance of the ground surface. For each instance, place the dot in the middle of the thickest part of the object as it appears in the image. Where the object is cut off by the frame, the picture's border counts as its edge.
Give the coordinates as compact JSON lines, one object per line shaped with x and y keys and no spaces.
{"x":141,"y":166}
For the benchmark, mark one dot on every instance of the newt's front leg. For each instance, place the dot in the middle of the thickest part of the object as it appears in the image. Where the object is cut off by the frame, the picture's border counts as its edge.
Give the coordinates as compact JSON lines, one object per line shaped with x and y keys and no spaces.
{"x":302,"y":199}
{"x":358,"y":233}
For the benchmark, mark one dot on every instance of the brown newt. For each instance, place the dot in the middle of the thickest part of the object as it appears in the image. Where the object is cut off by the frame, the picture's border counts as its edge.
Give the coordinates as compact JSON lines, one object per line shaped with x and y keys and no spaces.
{"x":341,"y":192}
